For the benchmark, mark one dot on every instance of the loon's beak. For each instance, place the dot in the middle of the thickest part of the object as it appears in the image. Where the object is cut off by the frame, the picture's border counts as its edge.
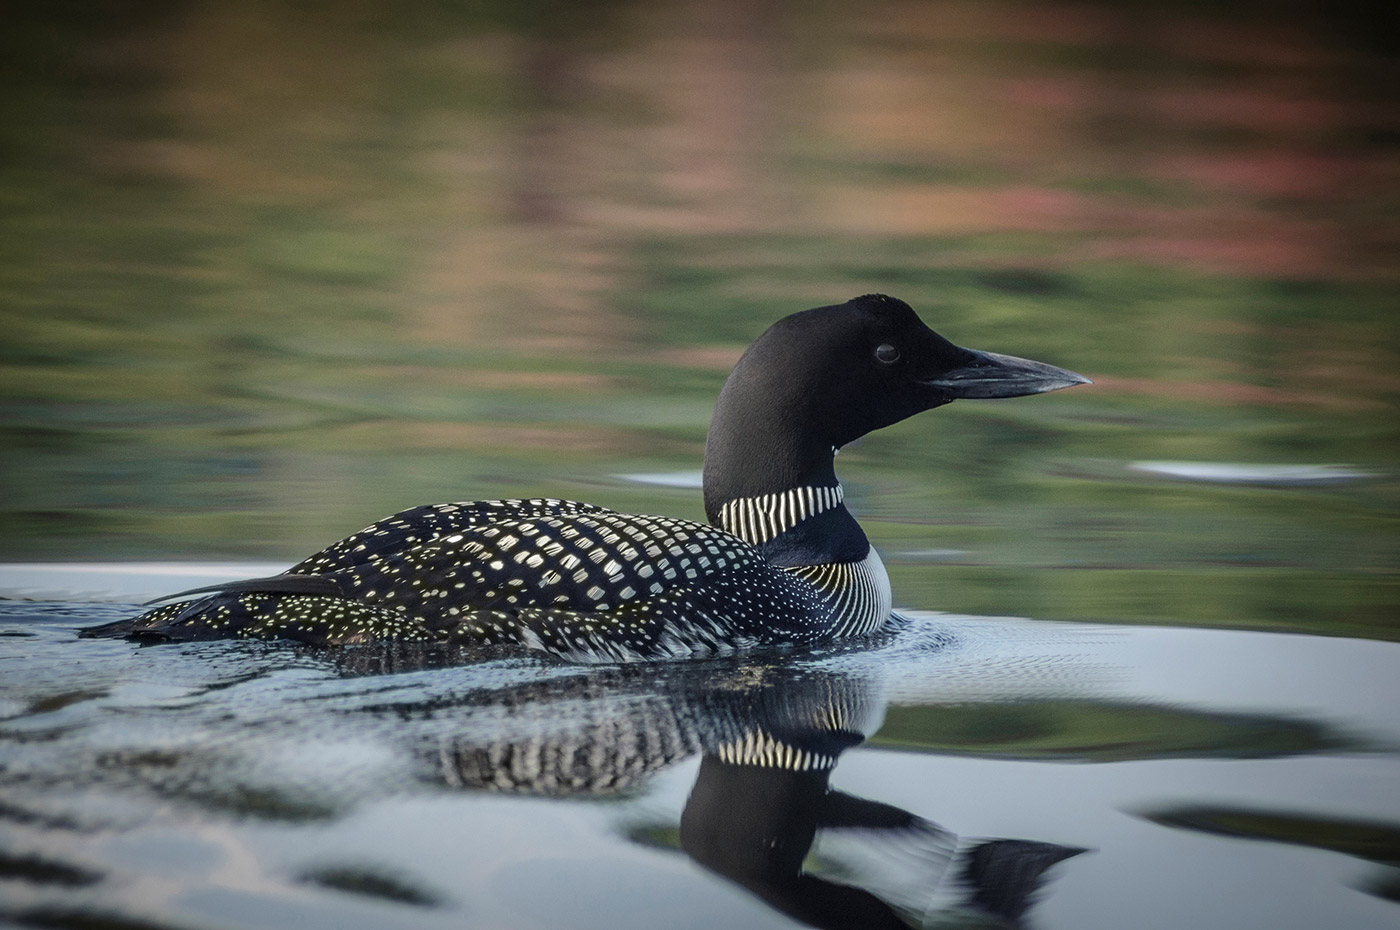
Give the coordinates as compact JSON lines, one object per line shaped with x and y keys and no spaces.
{"x":993,"y":375}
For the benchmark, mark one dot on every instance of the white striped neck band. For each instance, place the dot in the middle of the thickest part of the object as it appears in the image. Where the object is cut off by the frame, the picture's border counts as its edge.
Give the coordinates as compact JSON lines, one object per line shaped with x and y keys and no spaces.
{"x":759,"y":519}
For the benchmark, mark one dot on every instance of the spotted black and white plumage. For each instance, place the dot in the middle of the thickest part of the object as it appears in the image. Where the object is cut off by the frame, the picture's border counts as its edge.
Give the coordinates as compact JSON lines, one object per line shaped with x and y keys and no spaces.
{"x":782,"y":561}
{"x":566,"y":578}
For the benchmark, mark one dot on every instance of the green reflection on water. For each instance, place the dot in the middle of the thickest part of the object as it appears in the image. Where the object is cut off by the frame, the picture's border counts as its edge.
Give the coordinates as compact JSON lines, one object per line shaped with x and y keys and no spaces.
{"x":1372,"y":840}
{"x":1099,"y":731}
{"x":1367,"y":839}
{"x":269,"y":272}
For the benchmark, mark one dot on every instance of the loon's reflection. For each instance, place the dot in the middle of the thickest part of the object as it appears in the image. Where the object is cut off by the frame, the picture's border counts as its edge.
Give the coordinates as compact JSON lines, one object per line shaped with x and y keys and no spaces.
{"x":762,"y":812}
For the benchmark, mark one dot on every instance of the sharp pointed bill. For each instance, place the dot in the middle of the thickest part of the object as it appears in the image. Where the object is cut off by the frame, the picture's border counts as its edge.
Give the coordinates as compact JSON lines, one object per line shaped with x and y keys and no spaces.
{"x":991,"y":374}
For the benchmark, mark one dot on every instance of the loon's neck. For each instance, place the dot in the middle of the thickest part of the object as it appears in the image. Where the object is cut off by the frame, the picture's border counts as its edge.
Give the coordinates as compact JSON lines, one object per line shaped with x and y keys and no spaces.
{"x":769,"y":463}
{"x":780,"y":497}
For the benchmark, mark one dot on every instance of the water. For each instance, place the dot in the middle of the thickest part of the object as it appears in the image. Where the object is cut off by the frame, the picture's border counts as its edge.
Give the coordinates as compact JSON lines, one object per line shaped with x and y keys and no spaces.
{"x":271,"y":271}
{"x":1172,"y":777}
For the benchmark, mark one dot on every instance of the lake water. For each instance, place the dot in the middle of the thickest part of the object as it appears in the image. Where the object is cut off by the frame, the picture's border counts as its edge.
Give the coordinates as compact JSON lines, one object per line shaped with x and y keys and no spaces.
{"x":270,"y":271}
{"x":1071,"y":775}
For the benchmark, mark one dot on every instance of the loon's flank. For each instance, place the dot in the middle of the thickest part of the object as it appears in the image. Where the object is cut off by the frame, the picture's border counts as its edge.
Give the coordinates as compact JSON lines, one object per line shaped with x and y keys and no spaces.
{"x":782,"y":561}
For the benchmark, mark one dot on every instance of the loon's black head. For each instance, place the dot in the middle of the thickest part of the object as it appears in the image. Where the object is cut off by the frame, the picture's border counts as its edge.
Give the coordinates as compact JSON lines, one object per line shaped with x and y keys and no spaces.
{"x":822,"y":378}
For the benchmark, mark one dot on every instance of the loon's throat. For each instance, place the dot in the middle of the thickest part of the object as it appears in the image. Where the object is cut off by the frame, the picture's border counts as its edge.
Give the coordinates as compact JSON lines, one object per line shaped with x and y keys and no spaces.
{"x":756,"y":520}
{"x":804,"y":525}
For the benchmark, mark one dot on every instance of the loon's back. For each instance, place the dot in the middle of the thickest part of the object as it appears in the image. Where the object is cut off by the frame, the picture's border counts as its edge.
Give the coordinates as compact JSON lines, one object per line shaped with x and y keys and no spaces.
{"x":571,"y":579}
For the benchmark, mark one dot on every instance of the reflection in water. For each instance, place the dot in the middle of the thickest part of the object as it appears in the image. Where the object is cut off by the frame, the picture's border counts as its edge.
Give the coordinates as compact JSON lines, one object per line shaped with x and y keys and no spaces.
{"x":1370,"y":840}
{"x":771,"y":736}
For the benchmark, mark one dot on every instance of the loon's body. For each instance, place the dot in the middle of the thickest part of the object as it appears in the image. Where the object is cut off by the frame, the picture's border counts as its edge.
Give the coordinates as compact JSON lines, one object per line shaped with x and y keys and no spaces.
{"x":566,"y":578}
{"x":782,"y":561}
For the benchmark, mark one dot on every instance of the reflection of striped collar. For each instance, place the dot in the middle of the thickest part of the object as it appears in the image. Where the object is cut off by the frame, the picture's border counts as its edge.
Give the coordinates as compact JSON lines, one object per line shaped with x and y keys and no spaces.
{"x":759,"y":748}
{"x":758,"y":519}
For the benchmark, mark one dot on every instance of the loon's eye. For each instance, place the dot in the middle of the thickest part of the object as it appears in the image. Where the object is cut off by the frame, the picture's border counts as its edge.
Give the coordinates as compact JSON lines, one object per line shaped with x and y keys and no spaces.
{"x":887,"y":353}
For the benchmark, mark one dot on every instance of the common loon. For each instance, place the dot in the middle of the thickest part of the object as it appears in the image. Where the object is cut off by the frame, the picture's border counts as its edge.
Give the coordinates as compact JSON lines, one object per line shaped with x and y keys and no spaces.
{"x":782,"y":561}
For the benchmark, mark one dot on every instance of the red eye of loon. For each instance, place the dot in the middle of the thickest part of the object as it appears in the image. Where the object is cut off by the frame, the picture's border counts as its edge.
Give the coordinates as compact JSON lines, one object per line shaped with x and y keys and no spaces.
{"x":887,"y":353}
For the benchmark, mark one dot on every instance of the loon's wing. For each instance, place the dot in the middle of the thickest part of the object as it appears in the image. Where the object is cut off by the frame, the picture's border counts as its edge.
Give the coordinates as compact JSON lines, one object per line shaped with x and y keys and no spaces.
{"x":419,"y":526}
{"x":330,"y":573}
{"x":405,"y":531}
{"x":600,"y":582}
{"x":591,"y":560}
{"x":284,"y":583}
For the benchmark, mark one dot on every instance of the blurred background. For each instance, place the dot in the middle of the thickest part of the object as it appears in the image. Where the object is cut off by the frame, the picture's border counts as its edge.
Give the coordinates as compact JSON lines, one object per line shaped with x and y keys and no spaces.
{"x":270,"y":270}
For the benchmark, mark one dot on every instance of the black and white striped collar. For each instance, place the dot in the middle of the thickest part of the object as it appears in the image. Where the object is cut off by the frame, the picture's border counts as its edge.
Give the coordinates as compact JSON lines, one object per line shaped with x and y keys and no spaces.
{"x":756,"y":520}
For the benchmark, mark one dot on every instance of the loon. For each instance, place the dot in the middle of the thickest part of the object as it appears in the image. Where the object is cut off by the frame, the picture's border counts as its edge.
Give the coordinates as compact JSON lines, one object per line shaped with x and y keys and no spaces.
{"x":781,"y":561}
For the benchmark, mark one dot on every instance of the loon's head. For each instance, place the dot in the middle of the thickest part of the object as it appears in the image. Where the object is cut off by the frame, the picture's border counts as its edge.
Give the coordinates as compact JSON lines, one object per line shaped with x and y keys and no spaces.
{"x":819,"y":379}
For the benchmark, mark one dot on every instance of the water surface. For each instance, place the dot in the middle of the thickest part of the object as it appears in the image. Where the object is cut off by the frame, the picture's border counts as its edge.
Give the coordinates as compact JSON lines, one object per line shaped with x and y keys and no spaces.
{"x":1097,"y":776}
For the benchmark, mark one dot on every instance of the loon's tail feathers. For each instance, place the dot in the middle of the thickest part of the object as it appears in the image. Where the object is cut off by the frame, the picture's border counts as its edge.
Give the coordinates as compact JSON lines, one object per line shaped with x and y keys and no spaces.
{"x":117,"y":629}
{"x":273,"y":584}
{"x":189,"y":619}
{"x":147,"y":627}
